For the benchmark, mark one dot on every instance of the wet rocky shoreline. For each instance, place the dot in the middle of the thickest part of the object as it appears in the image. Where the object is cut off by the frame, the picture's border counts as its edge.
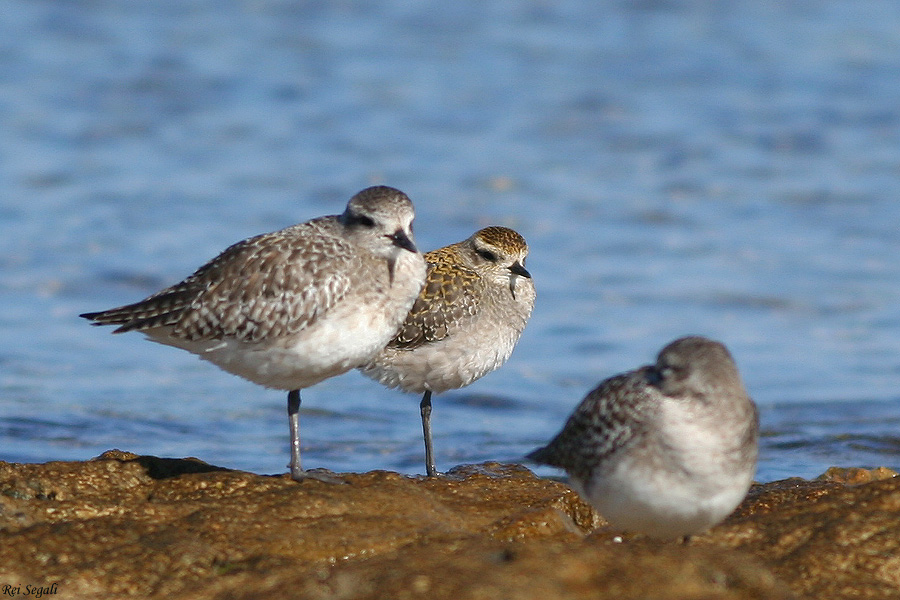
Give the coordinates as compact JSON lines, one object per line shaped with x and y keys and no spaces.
{"x":128,"y":526}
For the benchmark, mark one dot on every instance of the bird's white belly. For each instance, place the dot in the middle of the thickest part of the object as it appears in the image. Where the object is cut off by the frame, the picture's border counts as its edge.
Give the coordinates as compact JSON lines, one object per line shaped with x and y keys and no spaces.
{"x":449,"y":364}
{"x":662,"y":504}
{"x":327,"y":348}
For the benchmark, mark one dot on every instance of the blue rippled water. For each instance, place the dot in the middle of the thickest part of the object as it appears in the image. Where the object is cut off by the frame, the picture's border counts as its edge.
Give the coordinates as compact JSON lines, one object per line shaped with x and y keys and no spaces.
{"x":730,"y":169}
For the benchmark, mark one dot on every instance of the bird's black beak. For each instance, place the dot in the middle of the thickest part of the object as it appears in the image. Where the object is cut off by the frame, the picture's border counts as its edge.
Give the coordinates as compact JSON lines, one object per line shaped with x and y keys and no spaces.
{"x":518,"y":269}
{"x":401,"y":240}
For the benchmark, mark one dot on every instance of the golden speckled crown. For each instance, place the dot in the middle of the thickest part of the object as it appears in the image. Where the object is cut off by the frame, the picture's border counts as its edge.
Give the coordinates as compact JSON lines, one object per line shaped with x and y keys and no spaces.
{"x":503,"y":238}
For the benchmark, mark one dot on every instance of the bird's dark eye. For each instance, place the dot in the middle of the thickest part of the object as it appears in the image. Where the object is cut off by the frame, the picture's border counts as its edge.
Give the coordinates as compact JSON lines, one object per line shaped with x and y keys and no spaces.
{"x":487,"y":255}
{"x":654,"y":376}
{"x":363,"y":220}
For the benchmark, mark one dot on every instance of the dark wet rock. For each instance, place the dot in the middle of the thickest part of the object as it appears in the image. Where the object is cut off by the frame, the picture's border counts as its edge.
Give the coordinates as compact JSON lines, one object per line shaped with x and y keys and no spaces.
{"x":127,"y":526}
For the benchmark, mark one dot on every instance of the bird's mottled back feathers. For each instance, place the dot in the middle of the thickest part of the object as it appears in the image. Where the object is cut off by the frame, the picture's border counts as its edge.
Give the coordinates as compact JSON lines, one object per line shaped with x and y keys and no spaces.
{"x":611,"y":416}
{"x":448,"y":297}
{"x":266,"y":286}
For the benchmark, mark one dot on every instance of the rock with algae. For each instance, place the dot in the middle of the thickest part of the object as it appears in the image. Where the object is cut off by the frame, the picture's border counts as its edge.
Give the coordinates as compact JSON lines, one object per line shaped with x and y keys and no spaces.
{"x":127,"y":526}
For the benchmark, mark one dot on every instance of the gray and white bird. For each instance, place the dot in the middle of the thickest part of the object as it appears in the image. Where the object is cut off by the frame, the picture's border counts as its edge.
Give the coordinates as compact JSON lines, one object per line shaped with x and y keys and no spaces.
{"x":475,"y":304}
{"x":669,"y":449}
{"x":291,"y":308}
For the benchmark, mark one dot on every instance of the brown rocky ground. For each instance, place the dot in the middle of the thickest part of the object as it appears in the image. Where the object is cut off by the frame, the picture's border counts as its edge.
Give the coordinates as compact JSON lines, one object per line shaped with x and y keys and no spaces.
{"x":127,"y":526}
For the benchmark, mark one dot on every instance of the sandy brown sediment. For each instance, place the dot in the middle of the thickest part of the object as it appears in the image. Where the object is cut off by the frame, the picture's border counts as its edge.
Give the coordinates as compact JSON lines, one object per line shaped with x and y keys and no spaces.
{"x":127,"y":526}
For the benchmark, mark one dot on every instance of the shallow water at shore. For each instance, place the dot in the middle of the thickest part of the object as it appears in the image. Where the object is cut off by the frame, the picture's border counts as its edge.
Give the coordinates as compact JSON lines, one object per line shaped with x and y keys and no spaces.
{"x":676,"y":168}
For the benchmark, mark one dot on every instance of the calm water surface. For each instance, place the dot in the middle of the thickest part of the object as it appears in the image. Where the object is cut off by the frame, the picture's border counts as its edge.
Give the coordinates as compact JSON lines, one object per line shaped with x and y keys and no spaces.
{"x":728,"y":170}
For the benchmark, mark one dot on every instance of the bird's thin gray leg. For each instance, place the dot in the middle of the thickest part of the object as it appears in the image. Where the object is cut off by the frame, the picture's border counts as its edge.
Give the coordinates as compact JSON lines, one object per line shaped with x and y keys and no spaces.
{"x":297,"y":471}
{"x":425,"y":409}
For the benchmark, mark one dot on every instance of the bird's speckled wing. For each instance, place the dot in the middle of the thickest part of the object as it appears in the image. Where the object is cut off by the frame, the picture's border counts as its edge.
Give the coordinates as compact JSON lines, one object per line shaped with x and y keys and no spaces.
{"x":263,"y":287}
{"x":608,"y":419}
{"x":448,"y":297}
